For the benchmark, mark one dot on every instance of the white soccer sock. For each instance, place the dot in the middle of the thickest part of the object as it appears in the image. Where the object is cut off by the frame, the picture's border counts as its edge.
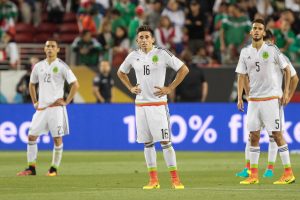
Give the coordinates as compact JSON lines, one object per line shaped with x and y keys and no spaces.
{"x":247,"y":150}
{"x":150,"y":156}
{"x":284,"y":155}
{"x":254,"y":156}
{"x":57,"y":155}
{"x":170,"y":156}
{"x":32,"y":150}
{"x":272,"y":151}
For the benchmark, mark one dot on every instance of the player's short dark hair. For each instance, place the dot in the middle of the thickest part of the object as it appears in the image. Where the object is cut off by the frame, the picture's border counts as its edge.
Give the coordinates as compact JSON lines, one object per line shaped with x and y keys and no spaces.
{"x":269,"y":35}
{"x":259,"y":21}
{"x":145,"y":28}
{"x":53,"y":40}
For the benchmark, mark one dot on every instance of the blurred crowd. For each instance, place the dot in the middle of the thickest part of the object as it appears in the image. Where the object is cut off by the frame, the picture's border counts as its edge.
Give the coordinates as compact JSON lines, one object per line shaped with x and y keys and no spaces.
{"x":213,"y":31}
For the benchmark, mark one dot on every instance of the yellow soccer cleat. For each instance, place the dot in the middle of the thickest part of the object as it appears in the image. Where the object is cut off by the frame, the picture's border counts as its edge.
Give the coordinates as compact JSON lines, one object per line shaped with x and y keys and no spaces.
{"x":286,"y":179}
{"x":250,"y":180}
{"x":52,"y":172}
{"x":152,"y":185}
{"x":177,"y":185}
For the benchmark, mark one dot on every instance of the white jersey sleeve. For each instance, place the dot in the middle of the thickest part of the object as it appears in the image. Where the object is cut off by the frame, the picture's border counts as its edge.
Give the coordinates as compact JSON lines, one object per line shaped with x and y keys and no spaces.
{"x":69,"y":75}
{"x":293,"y":71}
{"x":279,"y":58}
{"x":126,"y":65}
{"x":34,"y":75}
{"x":172,"y":61}
{"x":241,"y":67}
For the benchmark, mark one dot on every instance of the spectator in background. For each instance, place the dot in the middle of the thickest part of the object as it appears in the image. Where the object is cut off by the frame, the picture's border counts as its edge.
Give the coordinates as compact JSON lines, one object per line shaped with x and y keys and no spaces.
{"x":117,"y":20}
{"x":55,"y":11}
{"x":23,"y":84}
{"x":87,"y":49}
{"x":168,"y":36}
{"x":126,"y":9}
{"x":103,"y":83}
{"x":234,"y":34}
{"x":138,"y":20}
{"x":194,"y":88}
{"x":8,"y":10}
{"x":105,"y":37}
{"x":284,"y":37}
{"x":121,"y":46}
{"x":11,"y":50}
{"x":195,"y":25}
{"x":154,"y":13}
{"x":175,"y":14}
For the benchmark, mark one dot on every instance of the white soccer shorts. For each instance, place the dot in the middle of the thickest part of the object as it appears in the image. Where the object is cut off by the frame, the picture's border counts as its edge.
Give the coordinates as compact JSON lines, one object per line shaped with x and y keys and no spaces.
{"x":268,"y":114}
{"x":152,"y":123}
{"x":53,"y":119}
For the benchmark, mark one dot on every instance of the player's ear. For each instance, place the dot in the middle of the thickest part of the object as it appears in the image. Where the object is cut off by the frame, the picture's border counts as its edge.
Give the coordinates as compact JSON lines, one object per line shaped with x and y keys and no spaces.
{"x":264,"y":34}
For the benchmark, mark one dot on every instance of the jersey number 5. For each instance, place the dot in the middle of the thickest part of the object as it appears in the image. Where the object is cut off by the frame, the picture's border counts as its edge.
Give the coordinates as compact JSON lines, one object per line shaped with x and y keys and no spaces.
{"x":146,"y":70}
{"x":257,"y":66}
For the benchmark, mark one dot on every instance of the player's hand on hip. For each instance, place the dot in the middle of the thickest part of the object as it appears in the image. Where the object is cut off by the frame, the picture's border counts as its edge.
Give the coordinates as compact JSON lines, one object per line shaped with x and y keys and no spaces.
{"x":60,"y":102}
{"x":136,"y":89}
{"x":284,"y":99}
{"x":36,"y":105}
{"x":162,"y":91}
{"x":240,"y":105}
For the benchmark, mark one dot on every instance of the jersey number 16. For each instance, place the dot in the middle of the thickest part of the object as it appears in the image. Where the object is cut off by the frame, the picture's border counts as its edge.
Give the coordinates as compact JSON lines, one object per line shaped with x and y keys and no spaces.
{"x":146,"y":70}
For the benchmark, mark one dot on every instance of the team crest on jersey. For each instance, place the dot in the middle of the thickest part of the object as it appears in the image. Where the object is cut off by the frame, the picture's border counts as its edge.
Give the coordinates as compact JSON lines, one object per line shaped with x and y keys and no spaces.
{"x":55,"y":69}
{"x":265,"y":55}
{"x":155,"y":59}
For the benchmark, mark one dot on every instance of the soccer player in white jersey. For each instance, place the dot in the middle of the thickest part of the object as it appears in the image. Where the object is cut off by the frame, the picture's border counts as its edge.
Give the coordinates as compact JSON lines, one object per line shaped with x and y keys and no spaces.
{"x":259,"y":61}
{"x":273,"y":148}
{"x":51,"y":114}
{"x":152,"y":115}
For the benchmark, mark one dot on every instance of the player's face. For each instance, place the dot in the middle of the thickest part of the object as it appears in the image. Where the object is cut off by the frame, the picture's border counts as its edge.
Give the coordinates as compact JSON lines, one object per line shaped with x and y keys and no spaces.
{"x":258,"y":31}
{"x":51,"y":49}
{"x":145,"y":40}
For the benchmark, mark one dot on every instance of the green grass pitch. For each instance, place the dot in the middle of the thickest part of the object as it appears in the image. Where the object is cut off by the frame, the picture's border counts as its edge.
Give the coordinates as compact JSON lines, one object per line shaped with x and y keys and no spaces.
{"x":121,"y":175}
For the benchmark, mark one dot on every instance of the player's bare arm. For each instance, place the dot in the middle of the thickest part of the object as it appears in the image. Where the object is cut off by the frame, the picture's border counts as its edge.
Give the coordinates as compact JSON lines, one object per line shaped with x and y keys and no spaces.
{"x":32,"y":92}
{"x":241,"y":83}
{"x":293,"y":86}
{"x":247,"y":86}
{"x":287,"y":79}
{"x":161,"y":91}
{"x":125,"y":80}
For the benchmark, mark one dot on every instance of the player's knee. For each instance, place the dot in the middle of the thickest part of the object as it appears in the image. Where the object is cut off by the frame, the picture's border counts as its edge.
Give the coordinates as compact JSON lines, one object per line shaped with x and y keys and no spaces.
{"x":57,"y":141}
{"x":32,"y":138}
{"x":254,"y":138}
{"x":149,"y":145}
{"x":166,"y":145}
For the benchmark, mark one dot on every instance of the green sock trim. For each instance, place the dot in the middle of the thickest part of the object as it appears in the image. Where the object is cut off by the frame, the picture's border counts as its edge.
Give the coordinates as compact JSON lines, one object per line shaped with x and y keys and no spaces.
{"x":151,"y":169}
{"x":172,"y":168}
{"x":287,"y":166}
{"x":247,"y":161}
{"x":254,"y":166}
{"x":32,"y":163}
{"x":271,"y":163}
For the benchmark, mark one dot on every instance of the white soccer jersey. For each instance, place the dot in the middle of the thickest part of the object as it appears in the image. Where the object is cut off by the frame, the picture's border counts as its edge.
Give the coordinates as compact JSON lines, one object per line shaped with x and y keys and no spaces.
{"x":279,"y":74}
{"x":261,"y":66}
{"x":51,"y":79}
{"x":150,"y":71}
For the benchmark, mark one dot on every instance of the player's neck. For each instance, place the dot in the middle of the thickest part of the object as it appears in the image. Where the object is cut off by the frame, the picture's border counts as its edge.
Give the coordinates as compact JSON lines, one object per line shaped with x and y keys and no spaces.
{"x":147,"y":50}
{"x":257,"y":44}
{"x":51,"y":59}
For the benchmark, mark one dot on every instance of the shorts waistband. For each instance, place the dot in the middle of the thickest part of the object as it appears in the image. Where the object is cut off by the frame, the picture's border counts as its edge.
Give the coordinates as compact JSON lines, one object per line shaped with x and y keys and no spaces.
{"x":263,"y":99}
{"x":151,"y":104}
{"x":55,"y":104}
